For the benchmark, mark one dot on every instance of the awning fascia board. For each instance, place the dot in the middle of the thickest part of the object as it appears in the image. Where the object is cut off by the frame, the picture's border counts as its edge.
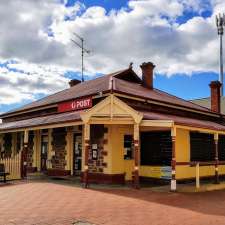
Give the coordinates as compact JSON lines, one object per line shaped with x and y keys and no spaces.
{"x":40,"y":127}
{"x":157,"y":123}
{"x":203,"y":130}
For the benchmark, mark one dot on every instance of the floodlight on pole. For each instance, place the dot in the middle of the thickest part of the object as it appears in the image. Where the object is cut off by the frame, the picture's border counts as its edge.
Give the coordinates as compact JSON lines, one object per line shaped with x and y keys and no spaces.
{"x":220,"y":23}
{"x":83,"y":50}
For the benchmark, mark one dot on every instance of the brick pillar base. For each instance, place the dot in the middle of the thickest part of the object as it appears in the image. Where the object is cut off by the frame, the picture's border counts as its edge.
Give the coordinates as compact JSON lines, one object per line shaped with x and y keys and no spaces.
{"x":136,"y":181}
{"x":85,"y":179}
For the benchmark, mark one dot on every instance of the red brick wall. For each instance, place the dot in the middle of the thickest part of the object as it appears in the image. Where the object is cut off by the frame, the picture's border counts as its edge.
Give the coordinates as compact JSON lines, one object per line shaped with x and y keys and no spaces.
{"x":59,"y":147}
{"x":30,"y":150}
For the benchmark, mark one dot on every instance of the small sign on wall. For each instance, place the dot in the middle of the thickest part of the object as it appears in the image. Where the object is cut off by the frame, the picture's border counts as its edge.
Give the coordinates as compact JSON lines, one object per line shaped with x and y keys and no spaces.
{"x":163,"y":172}
{"x":78,"y":104}
{"x":94,"y":151}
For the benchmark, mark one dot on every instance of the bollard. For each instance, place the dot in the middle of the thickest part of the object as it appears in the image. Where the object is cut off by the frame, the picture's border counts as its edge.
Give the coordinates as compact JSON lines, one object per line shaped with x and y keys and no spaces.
{"x":197,"y":176}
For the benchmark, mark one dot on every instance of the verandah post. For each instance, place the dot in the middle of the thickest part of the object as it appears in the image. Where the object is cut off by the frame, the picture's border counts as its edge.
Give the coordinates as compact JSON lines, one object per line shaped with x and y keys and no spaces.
{"x":173,"y":183}
{"x":136,"y":181}
{"x":216,"y":138}
{"x":24,"y":154}
{"x":86,"y":155}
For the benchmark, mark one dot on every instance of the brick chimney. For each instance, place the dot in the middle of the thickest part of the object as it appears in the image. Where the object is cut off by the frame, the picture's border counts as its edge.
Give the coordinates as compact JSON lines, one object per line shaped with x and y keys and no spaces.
{"x":215,"y":96}
{"x":147,"y":74}
{"x":74,"y":82}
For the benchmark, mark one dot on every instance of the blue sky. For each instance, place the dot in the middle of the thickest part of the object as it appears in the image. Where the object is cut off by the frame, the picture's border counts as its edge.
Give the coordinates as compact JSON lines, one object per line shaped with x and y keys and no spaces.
{"x":181,"y":85}
{"x":180,"y":38}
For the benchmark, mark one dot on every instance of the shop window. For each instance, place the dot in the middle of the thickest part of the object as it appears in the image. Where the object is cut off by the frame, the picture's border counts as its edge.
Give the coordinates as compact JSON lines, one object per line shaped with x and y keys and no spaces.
{"x":156,"y":148}
{"x":202,"y":147}
{"x":128,"y":146}
{"x":221,"y":147}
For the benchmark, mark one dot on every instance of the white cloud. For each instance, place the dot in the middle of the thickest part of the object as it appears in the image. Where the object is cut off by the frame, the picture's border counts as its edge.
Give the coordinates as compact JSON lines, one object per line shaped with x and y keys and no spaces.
{"x":145,"y":30}
{"x":22,"y":81}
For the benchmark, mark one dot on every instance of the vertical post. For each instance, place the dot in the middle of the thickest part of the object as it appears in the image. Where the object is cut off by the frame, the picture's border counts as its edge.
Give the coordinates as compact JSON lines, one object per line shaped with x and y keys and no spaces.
{"x":24,"y":154}
{"x":216,"y":138}
{"x":173,"y":184}
{"x":221,"y":63}
{"x":136,"y":181}
{"x":86,"y":155}
{"x":197,"y":176}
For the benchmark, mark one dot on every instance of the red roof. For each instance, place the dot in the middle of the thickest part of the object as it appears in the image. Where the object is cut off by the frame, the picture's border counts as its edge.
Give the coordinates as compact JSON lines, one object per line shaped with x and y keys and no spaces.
{"x":42,"y":121}
{"x":185,"y":121}
{"x":154,"y":94}
{"x":122,"y":83}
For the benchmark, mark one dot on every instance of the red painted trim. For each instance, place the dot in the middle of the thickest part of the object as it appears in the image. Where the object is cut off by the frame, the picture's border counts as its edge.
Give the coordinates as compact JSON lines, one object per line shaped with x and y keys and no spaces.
{"x":58,"y":172}
{"x":101,"y":178}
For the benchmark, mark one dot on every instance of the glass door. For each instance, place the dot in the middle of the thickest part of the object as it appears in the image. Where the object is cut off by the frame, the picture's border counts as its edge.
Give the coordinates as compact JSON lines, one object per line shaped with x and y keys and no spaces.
{"x":44,"y":152}
{"x":77,"y":154}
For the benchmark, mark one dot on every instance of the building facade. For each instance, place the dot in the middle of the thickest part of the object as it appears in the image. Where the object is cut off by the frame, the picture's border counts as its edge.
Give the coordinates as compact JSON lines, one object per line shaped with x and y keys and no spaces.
{"x":115,"y":129}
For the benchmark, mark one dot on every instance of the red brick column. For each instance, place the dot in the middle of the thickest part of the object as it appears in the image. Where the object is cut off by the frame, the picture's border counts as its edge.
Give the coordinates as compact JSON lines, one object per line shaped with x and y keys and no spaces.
{"x":173,"y":183}
{"x":216,"y":137}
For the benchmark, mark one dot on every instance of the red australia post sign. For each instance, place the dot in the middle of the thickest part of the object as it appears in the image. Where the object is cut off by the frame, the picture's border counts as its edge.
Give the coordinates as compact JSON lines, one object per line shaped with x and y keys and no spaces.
{"x":74,"y":105}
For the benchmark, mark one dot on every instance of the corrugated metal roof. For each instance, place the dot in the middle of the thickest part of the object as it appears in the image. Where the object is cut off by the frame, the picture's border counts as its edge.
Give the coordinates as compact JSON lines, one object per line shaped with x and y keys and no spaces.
{"x":86,"y":88}
{"x":41,"y":121}
{"x":154,"y":94}
{"x":185,"y":121}
{"x":103,"y":84}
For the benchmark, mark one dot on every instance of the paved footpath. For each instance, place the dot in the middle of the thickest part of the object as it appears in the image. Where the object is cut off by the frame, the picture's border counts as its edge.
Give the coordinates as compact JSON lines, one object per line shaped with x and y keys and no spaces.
{"x":40,"y":203}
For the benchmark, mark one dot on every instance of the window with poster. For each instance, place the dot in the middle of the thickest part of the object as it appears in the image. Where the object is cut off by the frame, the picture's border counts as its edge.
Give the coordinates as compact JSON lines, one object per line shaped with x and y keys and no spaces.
{"x":128,"y":145}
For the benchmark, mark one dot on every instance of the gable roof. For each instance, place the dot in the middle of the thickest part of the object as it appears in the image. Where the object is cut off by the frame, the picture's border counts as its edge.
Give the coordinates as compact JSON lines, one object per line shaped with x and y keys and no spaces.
{"x":154,"y":94}
{"x":87,"y":88}
{"x":124,"y":81}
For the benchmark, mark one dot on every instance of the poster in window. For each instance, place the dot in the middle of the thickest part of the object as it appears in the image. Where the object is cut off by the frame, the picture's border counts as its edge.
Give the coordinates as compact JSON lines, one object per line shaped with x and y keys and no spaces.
{"x":94,"y":154}
{"x":128,"y":147}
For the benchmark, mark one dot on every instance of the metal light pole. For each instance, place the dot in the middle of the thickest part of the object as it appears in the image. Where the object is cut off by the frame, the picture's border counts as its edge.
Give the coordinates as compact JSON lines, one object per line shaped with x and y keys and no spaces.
{"x":220,"y":23}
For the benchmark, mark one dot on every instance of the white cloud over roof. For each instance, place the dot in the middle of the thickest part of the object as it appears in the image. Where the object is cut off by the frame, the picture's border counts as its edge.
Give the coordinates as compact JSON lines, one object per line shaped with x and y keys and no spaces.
{"x":36,"y":34}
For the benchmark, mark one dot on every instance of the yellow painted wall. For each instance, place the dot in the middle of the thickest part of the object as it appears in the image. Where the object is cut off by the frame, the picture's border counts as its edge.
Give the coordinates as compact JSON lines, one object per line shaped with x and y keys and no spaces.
{"x":183,"y":155}
{"x":118,"y":165}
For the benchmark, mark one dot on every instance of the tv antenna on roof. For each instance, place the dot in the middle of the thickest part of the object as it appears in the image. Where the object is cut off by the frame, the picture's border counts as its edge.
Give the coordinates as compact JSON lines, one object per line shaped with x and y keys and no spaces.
{"x":83,"y":50}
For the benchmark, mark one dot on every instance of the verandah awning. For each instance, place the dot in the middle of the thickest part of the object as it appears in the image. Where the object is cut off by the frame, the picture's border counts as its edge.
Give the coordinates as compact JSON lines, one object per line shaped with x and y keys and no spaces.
{"x":42,"y":121}
{"x":184,"y":121}
{"x":65,"y":118}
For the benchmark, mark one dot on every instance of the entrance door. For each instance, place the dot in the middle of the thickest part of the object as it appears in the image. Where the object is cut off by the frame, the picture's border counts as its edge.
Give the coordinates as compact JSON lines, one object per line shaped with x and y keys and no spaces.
{"x":77,"y":149}
{"x":44,"y":152}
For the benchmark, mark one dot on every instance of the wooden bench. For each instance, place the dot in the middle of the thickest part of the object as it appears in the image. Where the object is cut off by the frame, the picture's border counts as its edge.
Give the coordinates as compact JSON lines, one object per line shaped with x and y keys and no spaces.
{"x":3,"y":173}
